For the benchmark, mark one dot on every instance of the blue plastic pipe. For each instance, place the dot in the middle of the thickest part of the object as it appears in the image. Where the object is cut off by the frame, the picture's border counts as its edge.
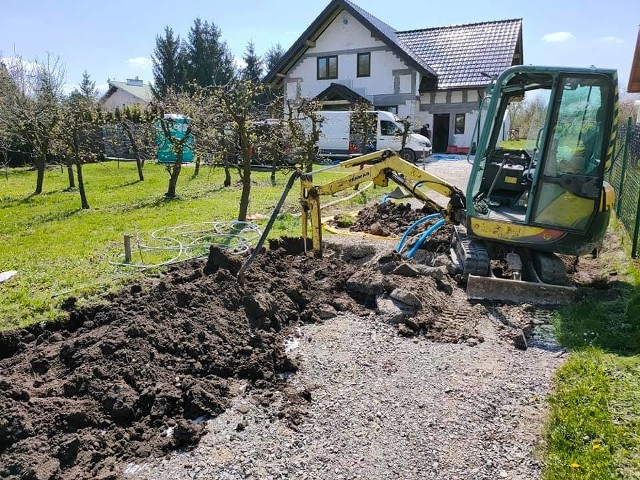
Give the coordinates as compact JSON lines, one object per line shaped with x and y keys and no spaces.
{"x":415,"y":224}
{"x":425,"y":235}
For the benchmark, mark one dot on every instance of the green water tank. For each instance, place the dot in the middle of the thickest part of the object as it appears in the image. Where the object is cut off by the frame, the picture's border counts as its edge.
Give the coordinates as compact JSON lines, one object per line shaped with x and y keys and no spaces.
{"x":177,"y":125}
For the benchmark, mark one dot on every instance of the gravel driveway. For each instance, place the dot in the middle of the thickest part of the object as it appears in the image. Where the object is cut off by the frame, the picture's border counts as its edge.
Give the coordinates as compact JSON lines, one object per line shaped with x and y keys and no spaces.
{"x":382,"y":406}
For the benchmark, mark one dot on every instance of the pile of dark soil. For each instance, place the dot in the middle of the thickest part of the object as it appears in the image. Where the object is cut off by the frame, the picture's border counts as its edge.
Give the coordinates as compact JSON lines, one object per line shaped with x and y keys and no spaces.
{"x":126,"y":379}
{"x":131,"y":377}
{"x":389,"y":219}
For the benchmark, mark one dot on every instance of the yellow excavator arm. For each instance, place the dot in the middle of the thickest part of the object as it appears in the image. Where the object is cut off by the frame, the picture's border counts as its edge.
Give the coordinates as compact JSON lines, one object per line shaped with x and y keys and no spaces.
{"x":378,"y":167}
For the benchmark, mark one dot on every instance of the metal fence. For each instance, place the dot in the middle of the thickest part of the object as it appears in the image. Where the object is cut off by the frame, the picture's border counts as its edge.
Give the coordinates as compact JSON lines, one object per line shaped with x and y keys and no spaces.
{"x":624,"y":176}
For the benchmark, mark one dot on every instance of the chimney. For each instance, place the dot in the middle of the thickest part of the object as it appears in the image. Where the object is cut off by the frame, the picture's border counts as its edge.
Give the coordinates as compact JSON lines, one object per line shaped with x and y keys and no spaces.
{"x":134,"y":82}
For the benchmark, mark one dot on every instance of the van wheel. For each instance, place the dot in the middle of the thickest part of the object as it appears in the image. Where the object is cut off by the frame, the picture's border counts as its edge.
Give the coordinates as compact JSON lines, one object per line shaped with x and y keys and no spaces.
{"x":408,"y":155}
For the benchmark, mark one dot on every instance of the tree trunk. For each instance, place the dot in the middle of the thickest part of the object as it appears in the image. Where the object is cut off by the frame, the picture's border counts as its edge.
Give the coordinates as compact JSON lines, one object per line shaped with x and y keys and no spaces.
{"x":72,"y":182}
{"x":246,"y":177}
{"x":39,"y":162}
{"x":175,"y":173}
{"x":136,"y":151}
{"x":227,"y":176}
{"x":273,"y":172}
{"x":196,"y":171}
{"x":139,"y":164}
{"x":83,"y":194}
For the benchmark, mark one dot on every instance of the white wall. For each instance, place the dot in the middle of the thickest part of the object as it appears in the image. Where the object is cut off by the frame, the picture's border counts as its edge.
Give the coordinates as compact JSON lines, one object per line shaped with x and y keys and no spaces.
{"x":121,"y":98}
{"x":456,"y":98}
{"x":350,"y":36}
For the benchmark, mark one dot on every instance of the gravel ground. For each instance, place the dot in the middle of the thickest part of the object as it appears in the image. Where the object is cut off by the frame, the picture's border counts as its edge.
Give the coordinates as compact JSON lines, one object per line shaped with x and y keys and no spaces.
{"x":382,"y":406}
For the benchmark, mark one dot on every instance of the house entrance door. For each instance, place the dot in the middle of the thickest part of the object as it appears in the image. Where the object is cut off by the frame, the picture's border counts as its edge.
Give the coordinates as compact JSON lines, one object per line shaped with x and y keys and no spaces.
{"x":440,"y":132}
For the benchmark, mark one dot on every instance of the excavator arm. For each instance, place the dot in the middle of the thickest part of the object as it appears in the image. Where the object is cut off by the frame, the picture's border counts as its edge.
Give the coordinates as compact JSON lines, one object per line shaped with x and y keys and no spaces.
{"x":379,"y":168}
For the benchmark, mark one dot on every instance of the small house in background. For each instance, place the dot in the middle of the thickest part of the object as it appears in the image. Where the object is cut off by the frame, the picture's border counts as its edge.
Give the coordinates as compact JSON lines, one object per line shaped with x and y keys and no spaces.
{"x":434,"y":76}
{"x":121,"y":94}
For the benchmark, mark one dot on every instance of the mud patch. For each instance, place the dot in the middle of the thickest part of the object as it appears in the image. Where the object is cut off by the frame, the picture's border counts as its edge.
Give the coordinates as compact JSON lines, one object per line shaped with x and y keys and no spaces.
{"x":389,"y":218}
{"x":132,"y":377}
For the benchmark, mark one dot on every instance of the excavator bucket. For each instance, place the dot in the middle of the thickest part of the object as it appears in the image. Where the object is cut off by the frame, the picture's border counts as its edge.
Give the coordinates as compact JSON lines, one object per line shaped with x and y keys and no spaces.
{"x":519,"y":291}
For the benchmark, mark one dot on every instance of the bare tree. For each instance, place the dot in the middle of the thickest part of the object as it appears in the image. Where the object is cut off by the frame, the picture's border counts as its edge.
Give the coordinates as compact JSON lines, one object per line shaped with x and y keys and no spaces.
{"x":31,"y":108}
{"x":238,"y":103}
{"x":304,"y":120}
{"x":363,"y":126}
{"x":77,"y":136}
{"x":175,"y":123}
{"x":134,"y":127}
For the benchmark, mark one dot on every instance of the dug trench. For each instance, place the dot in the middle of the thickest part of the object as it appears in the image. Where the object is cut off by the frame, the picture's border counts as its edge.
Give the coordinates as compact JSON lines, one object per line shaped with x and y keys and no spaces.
{"x":132,"y":376}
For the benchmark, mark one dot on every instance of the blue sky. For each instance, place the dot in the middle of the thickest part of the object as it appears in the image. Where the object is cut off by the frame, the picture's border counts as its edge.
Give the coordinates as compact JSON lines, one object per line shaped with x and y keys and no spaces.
{"x":115,"y":39}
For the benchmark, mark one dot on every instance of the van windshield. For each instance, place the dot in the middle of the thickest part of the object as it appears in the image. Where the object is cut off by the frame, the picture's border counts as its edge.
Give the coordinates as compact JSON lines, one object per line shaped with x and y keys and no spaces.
{"x":388,"y":127}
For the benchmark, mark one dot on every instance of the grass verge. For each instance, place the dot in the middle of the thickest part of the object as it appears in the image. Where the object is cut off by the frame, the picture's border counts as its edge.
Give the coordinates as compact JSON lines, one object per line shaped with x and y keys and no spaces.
{"x":593,"y":430}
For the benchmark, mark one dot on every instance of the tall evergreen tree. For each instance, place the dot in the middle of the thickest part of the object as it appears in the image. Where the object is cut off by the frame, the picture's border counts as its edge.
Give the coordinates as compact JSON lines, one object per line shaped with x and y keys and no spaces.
{"x":208,"y":57}
{"x":272,"y":57}
{"x":253,"y":70}
{"x":87,"y":87}
{"x":168,"y":63}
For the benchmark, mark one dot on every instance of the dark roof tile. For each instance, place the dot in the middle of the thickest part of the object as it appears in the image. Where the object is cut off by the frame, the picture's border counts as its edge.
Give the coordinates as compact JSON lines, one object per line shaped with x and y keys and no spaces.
{"x":460,"y":54}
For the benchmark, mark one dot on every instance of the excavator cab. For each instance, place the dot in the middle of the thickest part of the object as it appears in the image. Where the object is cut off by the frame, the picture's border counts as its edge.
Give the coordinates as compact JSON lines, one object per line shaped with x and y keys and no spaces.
{"x":545,"y":190}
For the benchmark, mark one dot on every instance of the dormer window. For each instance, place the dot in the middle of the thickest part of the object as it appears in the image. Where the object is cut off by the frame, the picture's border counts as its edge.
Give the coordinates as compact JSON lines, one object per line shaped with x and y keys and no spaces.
{"x":327,"y":67}
{"x":364,"y":64}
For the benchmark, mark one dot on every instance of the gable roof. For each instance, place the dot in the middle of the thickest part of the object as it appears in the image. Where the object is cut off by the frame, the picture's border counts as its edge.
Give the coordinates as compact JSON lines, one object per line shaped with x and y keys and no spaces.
{"x":456,"y":55}
{"x":634,"y":76}
{"x":336,"y":91}
{"x":143,"y":92}
{"x":468,"y":55}
{"x":380,"y":30}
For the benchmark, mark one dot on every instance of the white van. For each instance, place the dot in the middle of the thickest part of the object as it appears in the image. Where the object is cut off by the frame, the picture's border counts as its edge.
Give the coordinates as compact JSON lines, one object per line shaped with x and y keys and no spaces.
{"x":337,"y":139}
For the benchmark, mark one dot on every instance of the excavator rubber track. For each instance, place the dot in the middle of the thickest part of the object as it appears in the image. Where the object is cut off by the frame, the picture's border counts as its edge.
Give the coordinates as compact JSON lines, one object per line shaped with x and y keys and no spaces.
{"x":474,"y":262}
{"x":470,"y":255}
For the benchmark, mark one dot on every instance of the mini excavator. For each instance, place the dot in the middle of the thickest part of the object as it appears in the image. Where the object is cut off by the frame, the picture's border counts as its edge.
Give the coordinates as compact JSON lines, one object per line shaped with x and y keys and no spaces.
{"x":526,"y":200}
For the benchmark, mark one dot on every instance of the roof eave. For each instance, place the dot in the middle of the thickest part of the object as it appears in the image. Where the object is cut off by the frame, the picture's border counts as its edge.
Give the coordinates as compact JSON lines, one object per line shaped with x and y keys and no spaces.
{"x":329,"y":13}
{"x":108,"y":93}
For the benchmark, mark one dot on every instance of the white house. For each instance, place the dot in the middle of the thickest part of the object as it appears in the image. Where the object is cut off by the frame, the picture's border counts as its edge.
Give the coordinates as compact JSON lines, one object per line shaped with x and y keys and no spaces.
{"x":120,"y":94}
{"x":434,"y":76}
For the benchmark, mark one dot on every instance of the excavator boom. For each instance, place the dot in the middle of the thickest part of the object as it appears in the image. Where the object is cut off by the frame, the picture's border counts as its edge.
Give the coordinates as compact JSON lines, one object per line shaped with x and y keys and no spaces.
{"x":378,"y":167}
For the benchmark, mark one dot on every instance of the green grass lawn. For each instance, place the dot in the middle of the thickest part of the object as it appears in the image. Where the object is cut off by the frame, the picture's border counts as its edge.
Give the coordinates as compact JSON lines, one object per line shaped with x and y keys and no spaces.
{"x":60,"y":250}
{"x":593,"y":430}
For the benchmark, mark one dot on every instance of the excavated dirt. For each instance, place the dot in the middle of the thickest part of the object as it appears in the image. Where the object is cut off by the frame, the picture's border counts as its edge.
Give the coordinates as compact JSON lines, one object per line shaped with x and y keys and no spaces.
{"x":389,"y":219}
{"x":133,"y":376}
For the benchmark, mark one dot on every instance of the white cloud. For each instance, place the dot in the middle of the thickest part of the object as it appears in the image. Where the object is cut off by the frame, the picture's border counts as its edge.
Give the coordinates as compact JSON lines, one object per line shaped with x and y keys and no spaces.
{"x":558,"y":37}
{"x":610,"y":40}
{"x":239,"y":63}
{"x":139,"y":62}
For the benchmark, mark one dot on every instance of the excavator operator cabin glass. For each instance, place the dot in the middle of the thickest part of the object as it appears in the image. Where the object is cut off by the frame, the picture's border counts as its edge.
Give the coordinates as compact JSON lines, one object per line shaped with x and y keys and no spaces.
{"x":569,"y":189}
{"x":502,"y":184}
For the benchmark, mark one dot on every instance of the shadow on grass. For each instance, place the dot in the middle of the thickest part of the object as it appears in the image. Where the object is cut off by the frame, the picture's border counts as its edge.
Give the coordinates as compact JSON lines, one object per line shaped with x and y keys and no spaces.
{"x":12,"y":203}
{"x":129,"y":184}
{"x":605,"y":316}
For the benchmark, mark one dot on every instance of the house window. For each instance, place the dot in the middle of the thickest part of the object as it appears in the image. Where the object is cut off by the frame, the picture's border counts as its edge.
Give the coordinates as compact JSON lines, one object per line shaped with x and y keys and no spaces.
{"x":364,"y":64}
{"x":327,"y":67}
{"x":459,"y":126}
